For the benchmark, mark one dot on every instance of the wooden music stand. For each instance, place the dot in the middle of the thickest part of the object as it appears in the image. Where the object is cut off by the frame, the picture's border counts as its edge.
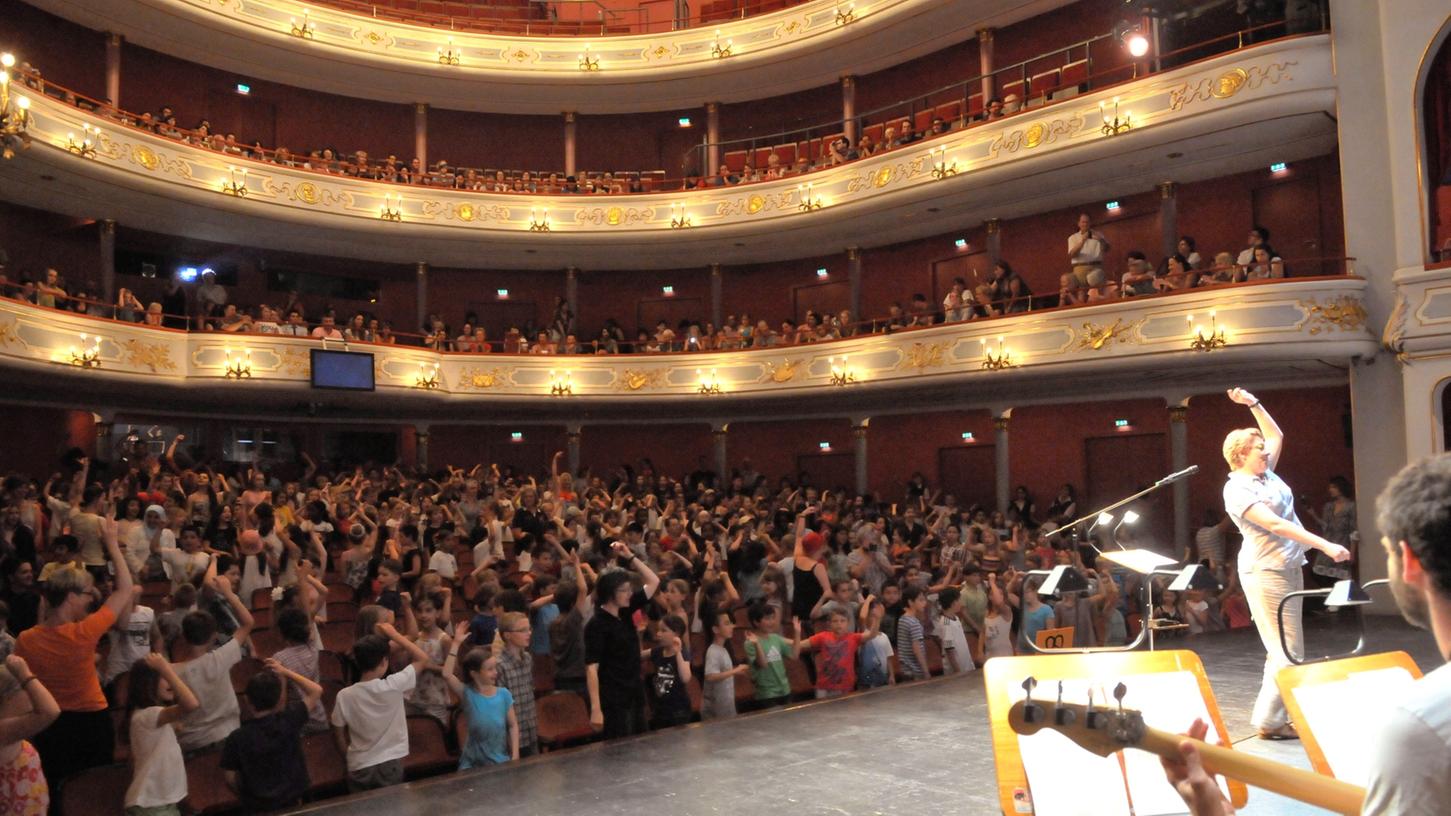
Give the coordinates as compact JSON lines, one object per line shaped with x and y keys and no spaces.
{"x":1001,"y":675}
{"x":1304,"y":675}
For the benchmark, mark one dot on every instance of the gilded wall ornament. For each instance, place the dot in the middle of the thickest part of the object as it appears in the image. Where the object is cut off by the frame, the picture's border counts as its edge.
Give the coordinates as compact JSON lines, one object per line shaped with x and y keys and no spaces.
{"x":782,"y":372}
{"x":1038,"y":133}
{"x":1096,"y":337}
{"x":294,"y":361}
{"x":482,"y":378}
{"x":149,"y":355}
{"x":1345,"y":313}
{"x":634,"y":379}
{"x":145,"y":156}
{"x":1229,"y":83}
{"x":8,"y":334}
{"x":922,"y":356}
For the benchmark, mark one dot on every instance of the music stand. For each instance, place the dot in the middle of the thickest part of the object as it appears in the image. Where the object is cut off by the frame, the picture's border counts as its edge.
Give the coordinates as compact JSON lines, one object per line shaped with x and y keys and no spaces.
{"x":1345,"y":589}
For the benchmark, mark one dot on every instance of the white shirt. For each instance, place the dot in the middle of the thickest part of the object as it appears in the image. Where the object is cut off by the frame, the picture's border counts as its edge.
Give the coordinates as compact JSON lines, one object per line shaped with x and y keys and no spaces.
{"x":210,"y":678}
{"x":444,"y":563}
{"x":998,"y":642}
{"x":1262,"y":549}
{"x":372,"y":711}
{"x":130,"y":643}
{"x":160,"y":773}
{"x":1410,"y":768}
{"x":183,"y":566}
{"x":1091,"y":252}
{"x":954,"y":643}
{"x":138,"y":546}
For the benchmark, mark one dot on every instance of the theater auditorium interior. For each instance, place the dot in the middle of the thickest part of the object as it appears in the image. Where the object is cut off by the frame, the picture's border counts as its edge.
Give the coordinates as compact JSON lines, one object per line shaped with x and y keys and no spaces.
{"x":702,"y":406}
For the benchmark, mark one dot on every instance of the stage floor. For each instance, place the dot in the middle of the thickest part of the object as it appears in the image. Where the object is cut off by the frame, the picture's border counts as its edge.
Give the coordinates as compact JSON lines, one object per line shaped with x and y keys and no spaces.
{"x":921,"y":749}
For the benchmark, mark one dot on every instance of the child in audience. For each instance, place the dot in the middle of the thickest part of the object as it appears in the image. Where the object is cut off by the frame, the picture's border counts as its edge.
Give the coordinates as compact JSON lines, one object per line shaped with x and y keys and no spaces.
{"x":766,"y":653}
{"x":493,"y":725}
{"x":430,"y":694}
{"x":263,"y":760}
{"x":65,"y":552}
{"x":874,"y":668}
{"x":669,"y":697}
{"x":719,"y":699}
{"x":207,"y":672}
{"x":300,"y":657}
{"x":956,"y":657}
{"x":390,"y":574}
{"x":368,"y":719}
{"x":483,"y":625}
{"x":516,"y":675}
{"x":134,"y":634}
{"x":911,"y":637}
{"x":836,"y":649}
{"x":443,"y":561}
{"x":183,"y":603}
{"x":23,"y":786}
{"x":997,"y":638}
{"x":544,"y":611}
{"x":156,"y":703}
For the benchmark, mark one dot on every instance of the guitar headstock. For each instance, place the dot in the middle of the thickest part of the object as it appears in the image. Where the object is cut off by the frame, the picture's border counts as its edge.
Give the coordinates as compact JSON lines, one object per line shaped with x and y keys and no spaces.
{"x":1104,"y":730}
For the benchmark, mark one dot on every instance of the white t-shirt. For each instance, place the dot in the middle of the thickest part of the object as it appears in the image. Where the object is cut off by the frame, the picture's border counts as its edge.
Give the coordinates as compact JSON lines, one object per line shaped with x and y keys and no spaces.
{"x":954,"y":643}
{"x":1199,"y":607}
{"x":129,"y":644}
{"x":372,"y":711}
{"x":1091,"y":251}
{"x":998,"y":642}
{"x":443,"y":563}
{"x":1262,"y":549}
{"x":160,"y":773}
{"x":182,"y":566}
{"x":210,"y":678}
{"x":1410,"y":769}
{"x":138,"y":545}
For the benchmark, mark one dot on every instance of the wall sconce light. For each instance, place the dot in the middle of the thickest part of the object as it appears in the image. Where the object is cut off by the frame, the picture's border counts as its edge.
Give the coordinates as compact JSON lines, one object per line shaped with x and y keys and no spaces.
{"x":1115,"y":126}
{"x":448,"y":55}
{"x":238,"y":368}
{"x":678,"y":218}
{"x":709,"y":386}
{"x":427,"y":378}
{"x":88,"y":354}
{"x":560,"y":385}
{"x":392,"y":206}
{"x":537,"y":224}
{"x":845,"y":15}
{"x":841,"y":373}
{"x":233,"y":187}
{"x":940,"y":168}
{"x":14,"y":119}
{"x":1199,"y":340}
{"x":588,"y":62}
{"x":996,"y":360}
{"x":86,"y":147}
{"x":809,"y":201}
{"x":721,"y":51}
{"x":304,"y":31}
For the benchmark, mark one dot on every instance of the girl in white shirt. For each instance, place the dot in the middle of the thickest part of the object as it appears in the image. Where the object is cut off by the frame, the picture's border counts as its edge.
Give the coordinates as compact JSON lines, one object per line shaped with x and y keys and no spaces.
{"x":158,"y":701}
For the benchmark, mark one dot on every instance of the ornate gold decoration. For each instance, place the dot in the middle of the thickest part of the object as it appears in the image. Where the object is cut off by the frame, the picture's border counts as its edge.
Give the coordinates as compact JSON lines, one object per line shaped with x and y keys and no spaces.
{"x":1036,"y":134}
{"x":521,"y":55}
{"x":925,"y":355}
{"x":1178,"y":414}
{"x":845,"y":15}
{"x":659,"y":52}
{"x":614,"y":216}
{"x":294,"y":361}
{"x":755,"y":204}
{"x":1393,"y":336}
{"x":1000,"y":423}
{"x":1229,"y":83}
{"x":1344,"y":312}
{"x":634,"y":379}
{"x":306,"y":192}
{"x":782,"y":372}
{"x":8,"y":334}
{"x":1096,"y":337}
{"x":465,"y":212}
{"x":375,"y":38}
{"x":883,"y":177}
{"x":150,"y":355}
{"x":145,"y":157}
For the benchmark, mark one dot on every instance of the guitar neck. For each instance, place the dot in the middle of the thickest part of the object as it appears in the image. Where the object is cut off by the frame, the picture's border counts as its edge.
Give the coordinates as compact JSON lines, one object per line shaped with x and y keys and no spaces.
{"x":1305,"y":786}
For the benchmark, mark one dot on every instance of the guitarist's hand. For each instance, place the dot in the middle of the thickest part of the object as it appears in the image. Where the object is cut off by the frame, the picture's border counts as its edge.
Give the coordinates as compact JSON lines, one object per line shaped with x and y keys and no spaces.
{"x":1198,"y":788}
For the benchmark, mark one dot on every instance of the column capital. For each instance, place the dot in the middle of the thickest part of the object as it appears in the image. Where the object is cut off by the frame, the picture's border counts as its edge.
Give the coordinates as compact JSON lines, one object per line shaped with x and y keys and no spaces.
{"x":108,"y":226}
{"x":420,"y":107}
{"x":719,"y":429}
{"x":848,"y":81}
{"x":421,"y":267}
{"x":715,"y":269}
{"x":573,"y":430}
{"x":712,"y":107}
{"x":1001,"y":423}
{"x":1179,"y":414}
{"x":993,"y":226}
{"x":1168,"y":189}
{"x":571,"y":271}
{"x":858,"y":432}
{"x":569,"y":117}
{"x":985,"y":34}
{"x":113,"y":38}
{"x":853,"y":253}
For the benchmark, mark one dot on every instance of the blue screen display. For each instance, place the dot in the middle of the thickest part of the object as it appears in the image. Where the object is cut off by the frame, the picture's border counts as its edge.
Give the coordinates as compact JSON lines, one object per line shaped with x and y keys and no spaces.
{"x":350,"y":370}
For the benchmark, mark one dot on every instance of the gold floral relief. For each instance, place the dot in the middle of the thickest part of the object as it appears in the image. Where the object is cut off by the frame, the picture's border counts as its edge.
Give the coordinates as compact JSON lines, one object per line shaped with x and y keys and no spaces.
{"x":1229,"y":83}
{"x":755,"y":204}
{"x":294,"y":361}
{"x":306,"y":192}
{"x":521,"y":56}
{"x":662,"y":51}
{"x":482,"y":378}
{"x":378,"y":39}
{"x":614,"y":216}
{"x":922,"y":356}
{"x":882,"y":177}
{"x":465,"y":212}
{"x":782,"y":372}
{"x":1345,"y":313}
{"x":634,"y":379}
{"x":1095,"y":337}
{"x":145,"y":156}
{"x":1036,"y":134}
{"x":147,"y":355}
{"x":8,"y":334}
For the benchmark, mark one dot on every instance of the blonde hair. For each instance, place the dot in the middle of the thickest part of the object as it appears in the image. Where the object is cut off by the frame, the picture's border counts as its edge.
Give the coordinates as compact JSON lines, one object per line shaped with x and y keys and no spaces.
{"x":511,"y":620}
{"x":65,"y":581}
{"x":1237,"y":445}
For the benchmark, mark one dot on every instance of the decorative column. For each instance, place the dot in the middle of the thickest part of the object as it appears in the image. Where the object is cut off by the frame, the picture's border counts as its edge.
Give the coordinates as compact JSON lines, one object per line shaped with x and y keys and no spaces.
{"x":572,"y":433}
{"x":422,"y":274}
{"x":570,"y":140}
{"x":718,"y":434}
{"x":1000,"y":451}
{"x":994,"y":229}
{"x":420,"y":133}
{"x":108,"y":260}
{"x":717,"y":306}
{"x":420,"y":436}
{"x":1178,"y":460}
{"x":848,"y":108}
{"x":859,"y":439}
{"x":571,"y":295}
{"x":854,"y":280}
{"x":113,"y":69}
{"x":985,"y":65}
{"x":712,"y":139}
{"x":1169,"y":216}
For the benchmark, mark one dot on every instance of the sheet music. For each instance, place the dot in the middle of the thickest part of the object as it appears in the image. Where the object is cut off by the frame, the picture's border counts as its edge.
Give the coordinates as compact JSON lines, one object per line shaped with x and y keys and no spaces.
{"x":1341,"y":713}
{"x":1067,"y":780}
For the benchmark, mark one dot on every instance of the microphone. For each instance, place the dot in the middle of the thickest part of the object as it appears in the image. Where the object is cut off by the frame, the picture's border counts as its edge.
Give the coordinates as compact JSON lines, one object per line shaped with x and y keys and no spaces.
{"x":1174,"y":477}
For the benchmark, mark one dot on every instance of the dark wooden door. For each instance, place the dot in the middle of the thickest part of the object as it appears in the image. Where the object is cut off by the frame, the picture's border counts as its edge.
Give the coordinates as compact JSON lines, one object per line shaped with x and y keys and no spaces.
{"x":1121,"y":465}
{"x":969,"y":472}
{"x":1284,"y":208}
{"x":829,"y":471}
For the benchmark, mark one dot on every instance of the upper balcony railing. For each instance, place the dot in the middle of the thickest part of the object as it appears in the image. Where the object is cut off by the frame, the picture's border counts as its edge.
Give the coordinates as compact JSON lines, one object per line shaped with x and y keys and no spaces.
{"x":564,"y":18}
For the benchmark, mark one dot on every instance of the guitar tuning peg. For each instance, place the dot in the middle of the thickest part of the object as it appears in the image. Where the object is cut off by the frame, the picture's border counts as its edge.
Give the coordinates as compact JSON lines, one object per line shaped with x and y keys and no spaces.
{"x":1064,"y":716}
{"x":1032,"y":712}
{"x":1119,"y":692}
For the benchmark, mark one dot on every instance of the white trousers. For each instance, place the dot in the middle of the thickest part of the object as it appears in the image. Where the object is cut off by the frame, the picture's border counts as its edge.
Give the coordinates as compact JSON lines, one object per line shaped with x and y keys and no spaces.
{"x":1264,"y":588}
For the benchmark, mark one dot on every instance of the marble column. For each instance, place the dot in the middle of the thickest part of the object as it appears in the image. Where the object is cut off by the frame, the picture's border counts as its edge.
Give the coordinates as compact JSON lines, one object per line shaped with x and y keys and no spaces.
{"x":113,"y":69}
{"x":854,"y":280}
{"x":1169,"y":217}
{"x":571,"y":137}
{"x":717,"y":304}
{"x":572,"y":433}
{"x":1002,"y":475}
{"x":1178,"y":460}
{"x":859,"y":440}
{"x":422,"y":274}
{"x":712,"y":139}
{"x":719,"y":432}
{"x":420,"y":133}
{"x":108,"y":260}
{"x":985,"y":65}
{"x":848,"y":107}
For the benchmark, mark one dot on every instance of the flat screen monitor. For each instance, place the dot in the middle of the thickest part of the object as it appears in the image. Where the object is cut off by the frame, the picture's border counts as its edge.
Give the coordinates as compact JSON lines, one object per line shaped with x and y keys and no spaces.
{"x":343,"y":370}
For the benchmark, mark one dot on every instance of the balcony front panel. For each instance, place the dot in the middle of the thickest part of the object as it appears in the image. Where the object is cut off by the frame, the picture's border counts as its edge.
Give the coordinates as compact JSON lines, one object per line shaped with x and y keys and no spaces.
{"x":1303,"y":330}
{"x":341,"y":52}
{"x":1229,"y":114}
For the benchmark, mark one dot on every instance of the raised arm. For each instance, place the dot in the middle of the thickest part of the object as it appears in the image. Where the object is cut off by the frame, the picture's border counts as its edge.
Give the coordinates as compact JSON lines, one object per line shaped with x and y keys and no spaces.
{"x":311,"y":692}
{"x":186,"y":701}
{"x":1261,"y":516}
{"x":43,"y":707}
{"x":1274,"y":437}
{"x":121,"y":594}
{"x":245,"y":621}
{"x":420,"y":659}
{"x":450,"y":665}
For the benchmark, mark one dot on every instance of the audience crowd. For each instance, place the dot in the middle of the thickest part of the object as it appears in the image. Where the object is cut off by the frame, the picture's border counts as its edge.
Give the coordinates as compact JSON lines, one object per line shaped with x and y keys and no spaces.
{"x":253,"y":618}
{"x":206,"y":305}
